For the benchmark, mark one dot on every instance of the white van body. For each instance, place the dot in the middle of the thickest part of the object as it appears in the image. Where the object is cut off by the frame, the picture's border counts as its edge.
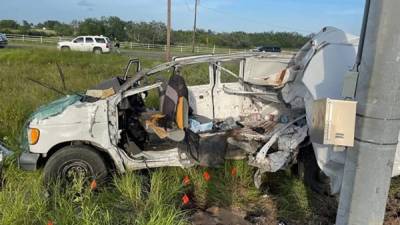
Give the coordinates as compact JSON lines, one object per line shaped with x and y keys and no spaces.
{"x":276,"y":90}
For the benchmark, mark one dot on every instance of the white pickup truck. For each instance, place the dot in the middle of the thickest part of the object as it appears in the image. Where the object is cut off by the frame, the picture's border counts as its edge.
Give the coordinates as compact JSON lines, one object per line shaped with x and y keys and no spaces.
{"x":95,"y":44}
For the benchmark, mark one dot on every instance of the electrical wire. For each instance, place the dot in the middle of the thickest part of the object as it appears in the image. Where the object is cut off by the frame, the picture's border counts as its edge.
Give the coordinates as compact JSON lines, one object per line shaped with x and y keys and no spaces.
{"x":187,"y":6}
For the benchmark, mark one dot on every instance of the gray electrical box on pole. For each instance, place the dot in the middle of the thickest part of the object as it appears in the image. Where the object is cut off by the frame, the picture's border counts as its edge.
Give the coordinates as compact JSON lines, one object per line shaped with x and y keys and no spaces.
{"x":369,"y":164}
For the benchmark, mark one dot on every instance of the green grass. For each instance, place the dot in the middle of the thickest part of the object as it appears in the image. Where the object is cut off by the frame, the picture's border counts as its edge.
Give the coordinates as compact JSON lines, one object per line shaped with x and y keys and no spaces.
{"x":20,"y":97}
{"x":131,"y":198}
{"x":23,"y":199}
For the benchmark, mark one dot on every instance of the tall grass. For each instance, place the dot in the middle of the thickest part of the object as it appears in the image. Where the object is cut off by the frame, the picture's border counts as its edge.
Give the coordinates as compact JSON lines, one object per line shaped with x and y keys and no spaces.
{"x":132,"y":198}
{"x":20,"y":97}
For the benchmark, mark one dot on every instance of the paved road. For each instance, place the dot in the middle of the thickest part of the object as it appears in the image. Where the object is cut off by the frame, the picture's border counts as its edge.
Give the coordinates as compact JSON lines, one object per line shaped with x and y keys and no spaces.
{"x":132,"y":53}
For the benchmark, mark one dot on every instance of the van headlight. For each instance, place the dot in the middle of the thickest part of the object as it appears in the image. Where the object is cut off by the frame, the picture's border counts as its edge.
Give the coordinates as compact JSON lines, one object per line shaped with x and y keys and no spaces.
{"x":33,"y":135}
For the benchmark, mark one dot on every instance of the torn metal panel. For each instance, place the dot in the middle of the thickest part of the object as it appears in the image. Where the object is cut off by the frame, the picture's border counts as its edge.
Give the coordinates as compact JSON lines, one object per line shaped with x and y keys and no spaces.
{"x":102,"y":94}
{"x":273,"y":137}
{"x":270,"y":96}
{"x":92,"y":118}
{"x":154,"y":159}
{"x":4,"y":152}
{"x":288,"y":142}
{"x":292,"y":138}
{"x":141,"y":89}
{"x":248,"y":146}
{"x":272,"y":162}
{"x":253,"y":131}
{"x":276,"y":80}
{"x":273,"y":71}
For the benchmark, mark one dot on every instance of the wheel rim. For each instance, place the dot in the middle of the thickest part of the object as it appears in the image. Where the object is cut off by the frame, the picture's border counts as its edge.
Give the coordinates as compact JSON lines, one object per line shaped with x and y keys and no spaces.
{"x":76,"y":169}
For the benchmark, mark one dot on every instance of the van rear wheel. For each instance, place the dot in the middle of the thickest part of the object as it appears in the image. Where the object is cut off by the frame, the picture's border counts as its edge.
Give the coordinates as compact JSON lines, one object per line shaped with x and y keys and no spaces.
{"x":75,"y":162}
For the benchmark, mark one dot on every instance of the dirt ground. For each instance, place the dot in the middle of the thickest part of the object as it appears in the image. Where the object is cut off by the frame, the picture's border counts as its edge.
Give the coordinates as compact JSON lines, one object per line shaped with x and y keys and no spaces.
{"x":267,"y":211}
{"x":260,"y":213}
{"x":392,"y":216}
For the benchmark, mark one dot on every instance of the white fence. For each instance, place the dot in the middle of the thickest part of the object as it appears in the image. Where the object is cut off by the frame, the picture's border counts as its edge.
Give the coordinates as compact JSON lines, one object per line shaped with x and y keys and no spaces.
{"x":127,"y":45}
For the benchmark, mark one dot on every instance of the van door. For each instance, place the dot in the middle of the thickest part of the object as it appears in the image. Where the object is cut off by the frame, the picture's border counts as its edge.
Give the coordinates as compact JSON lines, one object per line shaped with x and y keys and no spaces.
{"x":225,"y":103}
{"x":200,"y":85}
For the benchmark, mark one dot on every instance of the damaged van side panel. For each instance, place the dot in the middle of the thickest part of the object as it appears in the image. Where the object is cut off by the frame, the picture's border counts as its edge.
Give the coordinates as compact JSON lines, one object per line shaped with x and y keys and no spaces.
{"x":80,"y":122}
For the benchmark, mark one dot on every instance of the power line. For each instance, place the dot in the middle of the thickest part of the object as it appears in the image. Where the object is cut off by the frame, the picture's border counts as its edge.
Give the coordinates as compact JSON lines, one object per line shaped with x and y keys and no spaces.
{"x":187,"y":6}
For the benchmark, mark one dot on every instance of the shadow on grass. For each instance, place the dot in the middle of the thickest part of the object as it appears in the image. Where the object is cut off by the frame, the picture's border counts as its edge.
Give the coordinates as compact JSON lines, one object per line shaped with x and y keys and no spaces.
{"x":297,"y":203}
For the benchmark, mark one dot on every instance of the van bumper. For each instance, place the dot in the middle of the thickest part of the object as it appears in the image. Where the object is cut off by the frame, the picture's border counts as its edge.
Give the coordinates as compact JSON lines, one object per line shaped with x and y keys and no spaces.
{"x":29,"y":161}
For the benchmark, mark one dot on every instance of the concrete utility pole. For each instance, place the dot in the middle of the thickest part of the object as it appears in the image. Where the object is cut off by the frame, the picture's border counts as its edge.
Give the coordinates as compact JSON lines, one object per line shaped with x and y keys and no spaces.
{"x":168,"y":49}
{"x":369,"y":164}
{"x":194,"y":25}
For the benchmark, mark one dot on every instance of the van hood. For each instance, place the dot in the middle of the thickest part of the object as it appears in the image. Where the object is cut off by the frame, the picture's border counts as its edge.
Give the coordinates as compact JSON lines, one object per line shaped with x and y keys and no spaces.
{"x":43,"y":112}
{"x":54,"y":108}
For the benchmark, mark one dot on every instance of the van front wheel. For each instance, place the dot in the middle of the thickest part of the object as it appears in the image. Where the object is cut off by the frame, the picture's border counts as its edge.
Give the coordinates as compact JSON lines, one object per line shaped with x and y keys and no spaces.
{"x":75,"y":162}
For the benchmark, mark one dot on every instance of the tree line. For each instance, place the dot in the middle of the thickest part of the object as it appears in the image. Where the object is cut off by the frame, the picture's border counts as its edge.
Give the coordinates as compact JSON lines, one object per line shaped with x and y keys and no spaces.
{"x":152,"y":32}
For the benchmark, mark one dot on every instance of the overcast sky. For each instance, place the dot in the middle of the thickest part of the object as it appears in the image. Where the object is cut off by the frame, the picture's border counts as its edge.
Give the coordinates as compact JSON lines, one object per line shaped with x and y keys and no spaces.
{"x":304,"y":16}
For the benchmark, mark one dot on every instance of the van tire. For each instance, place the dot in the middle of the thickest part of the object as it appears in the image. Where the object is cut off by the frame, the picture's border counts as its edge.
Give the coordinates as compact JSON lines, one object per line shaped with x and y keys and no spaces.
{"x":97,"y":51}
{"x":71,"y":160}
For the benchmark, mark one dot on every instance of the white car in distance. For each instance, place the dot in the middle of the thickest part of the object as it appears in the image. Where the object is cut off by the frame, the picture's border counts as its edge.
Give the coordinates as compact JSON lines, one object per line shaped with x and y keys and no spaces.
{"x":95,"y":44}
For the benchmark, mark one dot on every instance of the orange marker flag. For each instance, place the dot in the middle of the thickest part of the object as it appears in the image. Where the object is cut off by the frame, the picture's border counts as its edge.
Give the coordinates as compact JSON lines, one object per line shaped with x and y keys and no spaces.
{"x":186,"y":180}
{"x":206,"y":176}
{"x":185,"y":199}
{"x":50,"y":222}
{"x":93,"y":185}
{"x":234,"y":172}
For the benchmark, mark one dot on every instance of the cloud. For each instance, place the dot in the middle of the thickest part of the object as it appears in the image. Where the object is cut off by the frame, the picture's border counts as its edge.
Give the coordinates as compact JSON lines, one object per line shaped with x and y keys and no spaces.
{"x":85,"y":3}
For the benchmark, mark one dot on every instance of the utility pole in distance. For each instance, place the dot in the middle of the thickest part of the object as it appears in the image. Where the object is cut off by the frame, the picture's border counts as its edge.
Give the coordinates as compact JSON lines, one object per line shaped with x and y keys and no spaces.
{"x":369,"y":165}
{"x":168,"y":49}
{"x":194,"y":25}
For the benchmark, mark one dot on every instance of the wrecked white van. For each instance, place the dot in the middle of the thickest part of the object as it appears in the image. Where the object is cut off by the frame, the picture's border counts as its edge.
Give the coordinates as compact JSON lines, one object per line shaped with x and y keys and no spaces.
{"x":261,"y":113}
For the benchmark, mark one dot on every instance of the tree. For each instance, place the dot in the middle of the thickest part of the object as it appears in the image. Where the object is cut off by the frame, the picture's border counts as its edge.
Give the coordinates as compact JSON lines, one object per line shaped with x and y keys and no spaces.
{"x":8,"y":24}
{"x":91,"y":26}
{"x":51,"y":24}
{"x":64,"y":29}
{"x":115,"y":28}
{"x":25,"y":26}
{"x":154,"y":32}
